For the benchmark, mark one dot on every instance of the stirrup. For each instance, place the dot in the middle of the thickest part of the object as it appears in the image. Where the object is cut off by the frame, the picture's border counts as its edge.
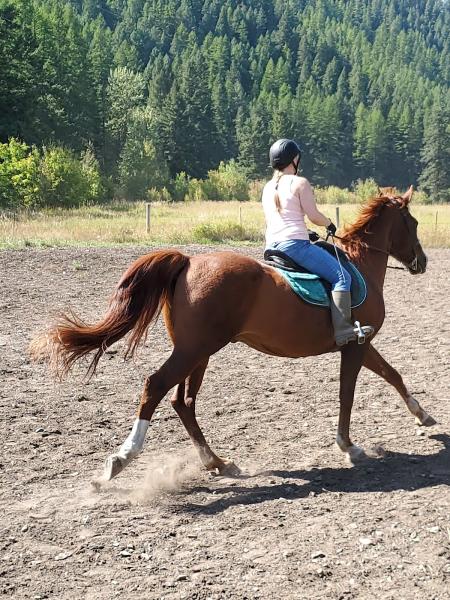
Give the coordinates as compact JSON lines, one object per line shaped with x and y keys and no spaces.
{"x":362,"y":332}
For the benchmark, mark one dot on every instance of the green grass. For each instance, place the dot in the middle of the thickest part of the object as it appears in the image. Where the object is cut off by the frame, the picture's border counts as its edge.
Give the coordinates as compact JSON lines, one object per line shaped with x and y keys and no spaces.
{"x":183,"y":223}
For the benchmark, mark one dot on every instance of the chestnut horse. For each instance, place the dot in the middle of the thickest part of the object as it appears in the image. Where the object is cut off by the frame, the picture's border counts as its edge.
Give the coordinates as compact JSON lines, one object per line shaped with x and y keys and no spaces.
{"x":210,"y":300}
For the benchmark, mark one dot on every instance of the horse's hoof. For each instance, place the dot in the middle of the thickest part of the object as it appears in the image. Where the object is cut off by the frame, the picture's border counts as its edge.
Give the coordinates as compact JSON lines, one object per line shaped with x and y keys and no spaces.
{"x":356,"y":455}
{"x":427,"y":422}
{"x":113,"y":466}
{"x":229,"y":468}
{"x":378,"y":451}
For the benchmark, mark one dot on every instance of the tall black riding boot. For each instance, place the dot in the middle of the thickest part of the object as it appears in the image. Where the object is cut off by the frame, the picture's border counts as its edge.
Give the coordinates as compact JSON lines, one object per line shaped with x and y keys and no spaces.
{"x":341,"y":315}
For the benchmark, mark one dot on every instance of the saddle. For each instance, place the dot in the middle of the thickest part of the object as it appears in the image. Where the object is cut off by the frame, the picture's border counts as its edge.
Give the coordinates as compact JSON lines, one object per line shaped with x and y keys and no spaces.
{"x":311,"y":287}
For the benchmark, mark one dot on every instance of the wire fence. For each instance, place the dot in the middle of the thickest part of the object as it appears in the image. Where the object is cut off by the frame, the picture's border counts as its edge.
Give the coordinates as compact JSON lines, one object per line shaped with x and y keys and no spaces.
{"x":178,"y":223}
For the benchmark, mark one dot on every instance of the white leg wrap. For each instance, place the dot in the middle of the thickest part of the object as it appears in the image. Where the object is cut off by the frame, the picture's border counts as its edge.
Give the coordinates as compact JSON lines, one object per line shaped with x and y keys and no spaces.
{"x":355,"y":453}
{"x":413,"y":405}
{"x":135,"y":441}
{"x":422,"y":417}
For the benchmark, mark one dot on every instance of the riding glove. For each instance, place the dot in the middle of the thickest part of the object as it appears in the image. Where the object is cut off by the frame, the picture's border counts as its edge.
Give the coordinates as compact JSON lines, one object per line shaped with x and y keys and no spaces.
{"x":331,"y":229}
{"x":313,"y":236}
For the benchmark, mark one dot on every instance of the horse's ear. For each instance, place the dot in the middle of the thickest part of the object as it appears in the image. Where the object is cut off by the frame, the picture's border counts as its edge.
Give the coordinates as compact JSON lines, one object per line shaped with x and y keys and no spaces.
{"x":408,"y":195}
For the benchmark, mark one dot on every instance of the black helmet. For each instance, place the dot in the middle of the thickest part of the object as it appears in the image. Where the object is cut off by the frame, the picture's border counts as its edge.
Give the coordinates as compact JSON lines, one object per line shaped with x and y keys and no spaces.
{"x":283,"y":152}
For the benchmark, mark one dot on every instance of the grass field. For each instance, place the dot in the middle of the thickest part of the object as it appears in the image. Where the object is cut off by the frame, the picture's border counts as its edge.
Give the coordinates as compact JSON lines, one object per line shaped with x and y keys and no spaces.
{"x":183,"y":223}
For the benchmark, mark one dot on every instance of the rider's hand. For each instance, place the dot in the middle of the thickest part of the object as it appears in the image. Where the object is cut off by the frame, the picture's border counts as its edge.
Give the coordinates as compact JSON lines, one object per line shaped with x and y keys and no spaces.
{"x":331,"y":229}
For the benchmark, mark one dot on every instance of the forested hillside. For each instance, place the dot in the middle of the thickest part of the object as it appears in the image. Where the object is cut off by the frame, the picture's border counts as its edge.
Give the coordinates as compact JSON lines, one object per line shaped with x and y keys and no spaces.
{"x":147,"y":89}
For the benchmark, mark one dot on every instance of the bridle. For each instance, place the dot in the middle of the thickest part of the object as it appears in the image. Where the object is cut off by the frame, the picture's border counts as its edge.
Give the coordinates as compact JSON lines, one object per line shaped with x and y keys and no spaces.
{"x":368,"y":247}
{"x":413,"y":264}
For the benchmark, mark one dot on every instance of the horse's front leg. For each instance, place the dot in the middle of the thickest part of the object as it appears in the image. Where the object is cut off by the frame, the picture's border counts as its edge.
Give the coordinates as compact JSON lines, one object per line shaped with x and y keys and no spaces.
{"x":352,"y":356}
{"x":376,"y":363}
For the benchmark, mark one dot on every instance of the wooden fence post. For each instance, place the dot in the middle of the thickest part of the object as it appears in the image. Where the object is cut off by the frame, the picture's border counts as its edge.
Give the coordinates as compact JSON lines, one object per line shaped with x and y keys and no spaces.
{"x":240,"y":215}
{"x":147,"y":217}
{"x":337,"y":217}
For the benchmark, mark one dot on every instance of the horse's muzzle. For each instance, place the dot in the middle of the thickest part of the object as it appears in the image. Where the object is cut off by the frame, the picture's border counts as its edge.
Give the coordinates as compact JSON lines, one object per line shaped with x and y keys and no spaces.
{"x":418,"y":265}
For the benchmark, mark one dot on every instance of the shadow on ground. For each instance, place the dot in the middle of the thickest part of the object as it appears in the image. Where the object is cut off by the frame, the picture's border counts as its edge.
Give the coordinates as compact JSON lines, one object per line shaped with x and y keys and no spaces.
{"x":394,"y":472}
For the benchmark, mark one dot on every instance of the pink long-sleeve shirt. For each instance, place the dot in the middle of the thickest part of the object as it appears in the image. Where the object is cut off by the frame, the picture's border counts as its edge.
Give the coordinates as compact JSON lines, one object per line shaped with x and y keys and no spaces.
{"x":289,"y":223}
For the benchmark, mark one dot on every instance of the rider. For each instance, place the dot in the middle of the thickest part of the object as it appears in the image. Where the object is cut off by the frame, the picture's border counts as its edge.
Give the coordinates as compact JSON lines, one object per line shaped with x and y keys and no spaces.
{"x":286,"y":200}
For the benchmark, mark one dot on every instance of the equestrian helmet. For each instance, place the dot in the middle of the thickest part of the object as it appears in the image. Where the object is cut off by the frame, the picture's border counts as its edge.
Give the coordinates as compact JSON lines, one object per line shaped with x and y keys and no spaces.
{"x":283,"y":152}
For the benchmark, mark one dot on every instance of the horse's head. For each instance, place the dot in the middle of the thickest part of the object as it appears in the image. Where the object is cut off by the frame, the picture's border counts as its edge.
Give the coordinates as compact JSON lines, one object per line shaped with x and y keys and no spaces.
{"x":405,"y":245}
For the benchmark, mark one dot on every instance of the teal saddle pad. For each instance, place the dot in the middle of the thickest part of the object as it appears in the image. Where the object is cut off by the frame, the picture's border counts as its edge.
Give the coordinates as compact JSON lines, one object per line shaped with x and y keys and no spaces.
{"x":314,"y":290}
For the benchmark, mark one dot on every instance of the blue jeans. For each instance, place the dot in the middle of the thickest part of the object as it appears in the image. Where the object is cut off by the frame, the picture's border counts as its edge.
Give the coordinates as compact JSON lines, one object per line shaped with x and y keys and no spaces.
{"x":317,"y":260}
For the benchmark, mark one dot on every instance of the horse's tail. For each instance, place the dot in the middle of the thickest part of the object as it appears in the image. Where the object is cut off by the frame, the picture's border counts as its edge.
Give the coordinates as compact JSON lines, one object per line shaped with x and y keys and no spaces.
{"x":137,"y":301}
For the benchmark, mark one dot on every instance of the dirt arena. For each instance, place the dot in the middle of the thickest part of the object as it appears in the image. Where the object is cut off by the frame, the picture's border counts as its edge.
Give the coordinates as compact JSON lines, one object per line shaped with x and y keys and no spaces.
{"x":300,"y":523}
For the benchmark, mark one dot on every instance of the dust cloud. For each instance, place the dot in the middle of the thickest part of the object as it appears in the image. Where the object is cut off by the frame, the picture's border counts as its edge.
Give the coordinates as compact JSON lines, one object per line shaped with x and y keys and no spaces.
{"x":167,"y":473}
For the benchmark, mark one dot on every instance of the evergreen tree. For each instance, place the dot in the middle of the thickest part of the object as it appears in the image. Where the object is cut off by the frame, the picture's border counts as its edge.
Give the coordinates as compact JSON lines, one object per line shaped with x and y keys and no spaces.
{"x":223,"y":120}
{"x":140,"y":165}
{"x":196,"y":145}
{"x":324,"y":140}
{"x":100,"y":57}
{"x":64,"y":104}
{"x":17,"y":71}
{"x":350,"y":81}
{"x":435,"y":176}
{"x":330,"y":77}
{"x":254,"y":139}
{"x":371,"y":144}
{"x":125,"y":93}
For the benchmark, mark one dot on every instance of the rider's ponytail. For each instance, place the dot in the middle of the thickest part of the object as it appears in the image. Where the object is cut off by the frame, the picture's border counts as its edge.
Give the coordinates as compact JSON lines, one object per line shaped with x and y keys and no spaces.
{"x":276,"y":197}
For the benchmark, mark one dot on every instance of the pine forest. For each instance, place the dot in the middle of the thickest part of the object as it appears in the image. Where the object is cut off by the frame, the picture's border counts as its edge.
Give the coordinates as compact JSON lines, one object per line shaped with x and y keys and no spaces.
{"x":133,"y":97}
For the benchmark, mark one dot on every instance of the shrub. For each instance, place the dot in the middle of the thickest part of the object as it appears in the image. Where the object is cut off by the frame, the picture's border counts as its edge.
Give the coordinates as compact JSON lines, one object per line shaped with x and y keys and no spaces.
{"x":19,"y":176}
{"x":97,"y":188}
{"x":223,"y":232}
{"x":179,"y":187}
{"x":196,"y":191}
{"x":420,"y":197}
{"x":255,"y":190}
{"x":365,"y":189}
{"x":333,"y":195}
{"x":228,"y":182}
{"x":65,"y":182}
{"x":140,"y":169}
{"x":156,"y":195}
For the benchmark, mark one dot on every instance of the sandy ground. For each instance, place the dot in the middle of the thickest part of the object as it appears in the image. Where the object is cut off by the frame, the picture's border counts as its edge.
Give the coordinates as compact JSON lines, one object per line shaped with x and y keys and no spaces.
{"x":299,"y":524}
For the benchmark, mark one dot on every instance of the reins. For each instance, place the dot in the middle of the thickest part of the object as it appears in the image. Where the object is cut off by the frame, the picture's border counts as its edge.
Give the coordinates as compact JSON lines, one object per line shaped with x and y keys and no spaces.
{"x":367,"y":246}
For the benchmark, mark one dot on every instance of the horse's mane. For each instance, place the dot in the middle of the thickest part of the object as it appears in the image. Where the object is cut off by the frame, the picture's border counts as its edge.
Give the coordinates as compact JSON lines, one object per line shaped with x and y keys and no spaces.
{"x":352,"y":237}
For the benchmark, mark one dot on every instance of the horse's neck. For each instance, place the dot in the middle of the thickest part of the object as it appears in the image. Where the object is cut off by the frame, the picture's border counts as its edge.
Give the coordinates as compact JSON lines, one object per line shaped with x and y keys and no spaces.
{"x":374,"y":261}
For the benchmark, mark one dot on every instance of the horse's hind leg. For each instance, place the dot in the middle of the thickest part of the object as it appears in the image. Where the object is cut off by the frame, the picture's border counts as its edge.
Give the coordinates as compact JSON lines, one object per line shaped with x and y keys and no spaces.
{"x":376,"y":363}
{"x":173,"y":371}
{"x":183,"y":402}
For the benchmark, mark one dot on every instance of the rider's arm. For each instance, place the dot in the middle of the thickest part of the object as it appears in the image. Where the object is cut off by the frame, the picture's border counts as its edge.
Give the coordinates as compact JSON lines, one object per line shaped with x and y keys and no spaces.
{"x":305,"y":193}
